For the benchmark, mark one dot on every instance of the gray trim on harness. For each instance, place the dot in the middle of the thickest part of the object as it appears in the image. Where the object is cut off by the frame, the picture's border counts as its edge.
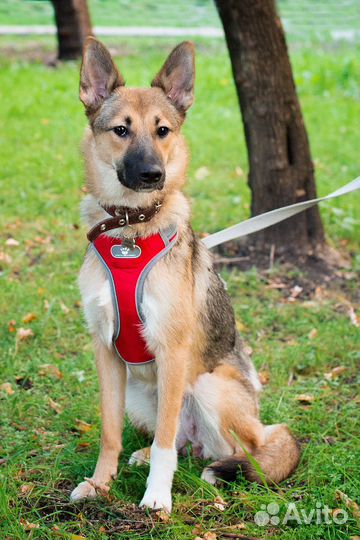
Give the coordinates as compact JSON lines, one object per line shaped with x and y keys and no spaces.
{"x":168,"y":233}
{"x":114,"y":299}
{"x":139,"y":291}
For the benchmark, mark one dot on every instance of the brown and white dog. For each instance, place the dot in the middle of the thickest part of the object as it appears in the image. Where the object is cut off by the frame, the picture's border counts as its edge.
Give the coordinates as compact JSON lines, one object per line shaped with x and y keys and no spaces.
{"x":202,"y":388}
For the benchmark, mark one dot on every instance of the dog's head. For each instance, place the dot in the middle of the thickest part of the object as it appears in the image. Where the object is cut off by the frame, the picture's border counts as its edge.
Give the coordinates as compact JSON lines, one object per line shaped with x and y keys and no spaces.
{"x":135,"y":148}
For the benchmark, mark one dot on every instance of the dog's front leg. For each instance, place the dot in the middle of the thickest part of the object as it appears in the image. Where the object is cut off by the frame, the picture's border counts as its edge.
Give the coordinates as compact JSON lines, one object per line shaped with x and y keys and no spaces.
{"x":171,"y":373}
{"x":112,"y":379}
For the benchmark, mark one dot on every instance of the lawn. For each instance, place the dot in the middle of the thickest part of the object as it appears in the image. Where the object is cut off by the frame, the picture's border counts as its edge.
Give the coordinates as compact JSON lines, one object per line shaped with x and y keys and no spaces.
{"x":304,"y":344}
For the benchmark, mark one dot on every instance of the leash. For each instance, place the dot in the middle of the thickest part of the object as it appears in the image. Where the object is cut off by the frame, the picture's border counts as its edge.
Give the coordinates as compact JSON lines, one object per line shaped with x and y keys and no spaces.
{"x":262,"y":221}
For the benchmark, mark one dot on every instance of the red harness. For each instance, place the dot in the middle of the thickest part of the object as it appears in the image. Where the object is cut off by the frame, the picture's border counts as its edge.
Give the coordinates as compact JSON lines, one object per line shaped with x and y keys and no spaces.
{"x":127,"y":268}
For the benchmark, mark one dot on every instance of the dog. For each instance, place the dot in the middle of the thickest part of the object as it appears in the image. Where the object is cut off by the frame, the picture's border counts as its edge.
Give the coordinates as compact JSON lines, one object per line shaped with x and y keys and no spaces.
{"x":166,"y":345}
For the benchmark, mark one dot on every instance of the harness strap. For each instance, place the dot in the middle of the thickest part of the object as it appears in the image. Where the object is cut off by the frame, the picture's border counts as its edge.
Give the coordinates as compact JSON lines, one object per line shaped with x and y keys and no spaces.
{"x":127,"y":269}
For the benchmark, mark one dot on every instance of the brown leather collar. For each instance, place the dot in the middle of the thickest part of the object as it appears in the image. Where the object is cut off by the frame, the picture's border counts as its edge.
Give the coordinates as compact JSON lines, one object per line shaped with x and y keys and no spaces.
{"x":122,"y":216}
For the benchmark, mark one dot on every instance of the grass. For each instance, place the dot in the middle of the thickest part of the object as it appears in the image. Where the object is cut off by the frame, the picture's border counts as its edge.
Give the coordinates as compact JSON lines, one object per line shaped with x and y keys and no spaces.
{"x":295,"y":343}
{"x":301,"y":18}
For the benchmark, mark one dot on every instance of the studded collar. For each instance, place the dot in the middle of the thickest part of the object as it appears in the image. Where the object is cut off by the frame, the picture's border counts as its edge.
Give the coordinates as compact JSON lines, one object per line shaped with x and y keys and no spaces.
{"x":121,"y":217}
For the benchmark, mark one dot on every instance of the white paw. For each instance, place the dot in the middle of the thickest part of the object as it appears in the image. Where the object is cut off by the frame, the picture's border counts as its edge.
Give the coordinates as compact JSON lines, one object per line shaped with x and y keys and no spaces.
{"x":140,"y":457}
{"x":209,"y":476}
{"x":156,"y":499}
{"x":83,"y":491}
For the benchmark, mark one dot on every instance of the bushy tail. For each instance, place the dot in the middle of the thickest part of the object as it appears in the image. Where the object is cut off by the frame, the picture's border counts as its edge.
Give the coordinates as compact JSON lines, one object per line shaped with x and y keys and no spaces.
{"x":277,"y":458}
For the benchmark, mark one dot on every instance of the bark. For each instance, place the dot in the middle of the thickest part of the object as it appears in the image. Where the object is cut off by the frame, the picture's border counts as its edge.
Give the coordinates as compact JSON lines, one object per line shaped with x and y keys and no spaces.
{"x":281,"y":170}
{"x":73,"y":26}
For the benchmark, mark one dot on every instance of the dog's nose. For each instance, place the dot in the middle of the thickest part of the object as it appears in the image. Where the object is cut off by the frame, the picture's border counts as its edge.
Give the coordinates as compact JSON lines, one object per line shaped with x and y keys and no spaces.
{"x":151,"y":175}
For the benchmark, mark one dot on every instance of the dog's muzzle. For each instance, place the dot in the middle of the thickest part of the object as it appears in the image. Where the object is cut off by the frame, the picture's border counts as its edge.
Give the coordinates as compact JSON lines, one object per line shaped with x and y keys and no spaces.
{"x":150,"y":179}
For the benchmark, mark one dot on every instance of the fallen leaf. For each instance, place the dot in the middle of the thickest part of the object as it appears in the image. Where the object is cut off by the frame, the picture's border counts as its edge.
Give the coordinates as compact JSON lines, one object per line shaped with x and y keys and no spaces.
{"x":50,"y":370}
{"x":11,"y":325}
{"x":64,"y":308}
{"x":239,"y":526}
{"x":24,"y":333}
{"x":276,"y":285}
{"x":19,"y":427}
{"x":197,"y":529}
{"x":5,"y":258}
{"x":41,"y":240}
{"x":29,"y":317}
{"x":46,"y":305}
{"x":304,"y":398}
{"x":201,"y":173}
{"x":354,"y":318}
{"x":209,"y":536}
{"x":28,"y":526}
{"x":40,"y":291}
{"x":163,"y":516}
{"x":81,"y":446}
{"x":220,"y":500}
{"x":7,"y":388}
{"x":55,"y":406}
{"x":26,"y":489}
{"x":334,"y":373}
{"x":264,"y":376}
{"x":313,"y":333}
{"x":76,"y":537}
{"x":219,"y":507}
{"x":349,"y":503}
{"x":12,"y":242}
{"x":239,"y":171}
{"x":82,"y":426}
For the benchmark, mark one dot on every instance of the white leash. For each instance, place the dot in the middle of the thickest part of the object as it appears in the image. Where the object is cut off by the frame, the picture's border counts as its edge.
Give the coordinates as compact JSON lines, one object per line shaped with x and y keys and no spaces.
{"x":262,"y":221}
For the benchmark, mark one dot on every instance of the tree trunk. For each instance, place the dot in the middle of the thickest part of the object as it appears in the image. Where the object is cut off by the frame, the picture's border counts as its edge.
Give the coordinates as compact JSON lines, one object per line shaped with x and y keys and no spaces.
{"x":281,"y":171}
{"x":73,"y":26}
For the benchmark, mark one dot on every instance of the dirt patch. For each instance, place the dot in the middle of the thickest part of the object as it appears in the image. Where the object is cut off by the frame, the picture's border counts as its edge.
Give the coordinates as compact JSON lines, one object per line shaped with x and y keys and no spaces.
{"x":120,"y":519}
{"x":111,"y":517}
{"x":328,"y":269}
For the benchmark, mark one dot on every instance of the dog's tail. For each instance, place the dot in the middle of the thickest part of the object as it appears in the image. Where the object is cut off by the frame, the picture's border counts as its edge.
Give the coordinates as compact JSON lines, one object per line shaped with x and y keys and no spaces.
{"x":277,"y":458}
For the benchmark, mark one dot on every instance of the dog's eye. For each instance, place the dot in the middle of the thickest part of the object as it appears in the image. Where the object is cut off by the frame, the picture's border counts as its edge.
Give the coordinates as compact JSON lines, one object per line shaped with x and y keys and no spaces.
{"x":121,"y":131}
{"x":163,"y":131}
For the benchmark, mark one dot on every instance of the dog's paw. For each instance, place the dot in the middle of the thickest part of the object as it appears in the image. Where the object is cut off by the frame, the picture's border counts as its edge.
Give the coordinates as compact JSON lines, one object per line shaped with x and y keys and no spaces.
{"x":208,"y":476}
{"x":157,"y":499}
{"x":140,"y":457}
{"x":85,"y":490}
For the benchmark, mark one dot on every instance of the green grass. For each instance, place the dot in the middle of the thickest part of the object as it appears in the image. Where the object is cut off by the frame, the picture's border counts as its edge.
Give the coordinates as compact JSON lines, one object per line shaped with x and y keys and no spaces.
{"x":301,"y":18}
{"x":41,"y":179}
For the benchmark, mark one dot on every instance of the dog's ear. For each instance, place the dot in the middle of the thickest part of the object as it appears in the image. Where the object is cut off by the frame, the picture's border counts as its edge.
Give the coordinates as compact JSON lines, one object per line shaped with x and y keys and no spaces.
{"x":98,"y":75}
{"x":176,"y":77}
